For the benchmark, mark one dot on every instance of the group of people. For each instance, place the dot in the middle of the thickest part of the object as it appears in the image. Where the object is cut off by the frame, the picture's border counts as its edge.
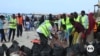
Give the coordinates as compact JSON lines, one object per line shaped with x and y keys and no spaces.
{"x":74,"y":28}
{"x":14,"y":22}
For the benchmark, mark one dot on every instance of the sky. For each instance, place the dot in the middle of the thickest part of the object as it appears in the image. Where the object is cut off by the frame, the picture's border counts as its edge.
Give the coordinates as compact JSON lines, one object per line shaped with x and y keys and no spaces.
{"x":46,"y":6}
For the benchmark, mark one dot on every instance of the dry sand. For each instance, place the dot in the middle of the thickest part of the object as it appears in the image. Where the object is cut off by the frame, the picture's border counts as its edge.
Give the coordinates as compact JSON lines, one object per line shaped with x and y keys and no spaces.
{"x":25,"y":39}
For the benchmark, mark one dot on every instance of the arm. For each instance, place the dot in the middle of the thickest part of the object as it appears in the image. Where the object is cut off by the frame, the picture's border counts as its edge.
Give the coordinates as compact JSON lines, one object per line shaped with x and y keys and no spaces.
{"x":53,"y":32}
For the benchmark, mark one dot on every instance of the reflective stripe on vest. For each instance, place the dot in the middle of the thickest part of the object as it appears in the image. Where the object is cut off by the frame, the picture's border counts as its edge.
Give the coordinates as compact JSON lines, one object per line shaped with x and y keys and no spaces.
{"x":44,"y":29}
{"x":14,"y":23}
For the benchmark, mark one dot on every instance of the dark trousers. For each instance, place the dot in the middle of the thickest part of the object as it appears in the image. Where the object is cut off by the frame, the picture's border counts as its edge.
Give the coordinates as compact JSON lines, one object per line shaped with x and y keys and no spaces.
{"x":10,"y":32}
{"x":44,"y":41}
{"x":70,"y":40}
{"x":19,"y":30}
{"x":2,"y":35}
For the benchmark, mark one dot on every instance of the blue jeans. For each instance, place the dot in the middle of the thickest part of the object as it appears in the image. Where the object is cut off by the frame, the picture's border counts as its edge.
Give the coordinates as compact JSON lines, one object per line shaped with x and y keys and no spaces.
{"x":68,"y":32}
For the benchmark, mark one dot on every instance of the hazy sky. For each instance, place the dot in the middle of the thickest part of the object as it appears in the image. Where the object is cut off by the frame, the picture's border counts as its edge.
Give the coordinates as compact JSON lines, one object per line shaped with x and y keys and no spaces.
{"x":46,"y":6}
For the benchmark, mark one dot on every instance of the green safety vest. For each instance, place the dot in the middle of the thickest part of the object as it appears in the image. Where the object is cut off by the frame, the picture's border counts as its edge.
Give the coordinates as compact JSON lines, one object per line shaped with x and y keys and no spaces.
{"x":63,"y":22}
{"x":44,"y":29}
{"x":67,"y":23}
{"x":83,"y":21}
{"x":77,"y":19}
{"x":13,"y":25}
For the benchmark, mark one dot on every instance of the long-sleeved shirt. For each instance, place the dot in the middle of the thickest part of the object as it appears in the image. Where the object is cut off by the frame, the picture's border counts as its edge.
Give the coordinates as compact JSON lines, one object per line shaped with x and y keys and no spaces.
{"x":78,"y":27}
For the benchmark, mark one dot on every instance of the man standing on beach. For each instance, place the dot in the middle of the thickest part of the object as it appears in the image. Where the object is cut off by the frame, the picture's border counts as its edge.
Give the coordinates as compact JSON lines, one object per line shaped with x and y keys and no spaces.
{"x":12,"y":27}
{"x":19,"y":25}
{"x":1,"y":28}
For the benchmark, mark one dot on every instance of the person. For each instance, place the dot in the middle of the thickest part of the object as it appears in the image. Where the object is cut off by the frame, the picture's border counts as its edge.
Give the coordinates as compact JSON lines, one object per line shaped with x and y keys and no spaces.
{"x":76,"y":17}
{"x":19,"y":25}
{"x":92,"y":22}
{"x":32,"y":22}
{"x":85,"y":22}
{"x":45,"y":30}
{"x":27,"y":23}
{"x":1,"y":28}
{"x":78,"y":31}
{"x":67,"y":26}
{"x":60,"y":31}
{"x":36,"y":23}
{"x":12,"y":27}
{"x":41,"y":19}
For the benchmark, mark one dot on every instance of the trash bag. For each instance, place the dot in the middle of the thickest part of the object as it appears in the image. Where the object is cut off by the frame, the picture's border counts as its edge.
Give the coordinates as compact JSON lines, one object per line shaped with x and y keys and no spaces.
{"x":13,"y":48}
{"x":4,"y":47}
{"x":1,"y":51}
{"x":35,"y":51}
{"x":46,"y":51}
{"x":26,"y":50}
{"x":70,"y":51}
{"x":98,"y":48}
{"x":58,"y":50}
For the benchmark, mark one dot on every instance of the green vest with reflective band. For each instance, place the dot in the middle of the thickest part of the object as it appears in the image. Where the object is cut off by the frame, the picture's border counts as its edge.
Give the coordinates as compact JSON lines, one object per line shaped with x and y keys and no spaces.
{"x":44,"y":29}
{"x":13,"y":23}
{"x":68,"y":24}
{"x":83,"y":21}
{"x":77,"y":19}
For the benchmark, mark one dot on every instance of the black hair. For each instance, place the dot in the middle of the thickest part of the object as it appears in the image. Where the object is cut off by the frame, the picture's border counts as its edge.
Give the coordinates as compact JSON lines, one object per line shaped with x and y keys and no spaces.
{"x":75,"y":13}
{"x":50,"y":17}
{"x":64,"y":16}
{"x":83,"y":11}
{"x":42,"y":19}
{"x":2,"y":17}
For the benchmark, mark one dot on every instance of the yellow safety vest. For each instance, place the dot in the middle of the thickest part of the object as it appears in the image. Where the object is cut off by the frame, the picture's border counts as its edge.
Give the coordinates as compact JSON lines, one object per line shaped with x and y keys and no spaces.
{"x":63,"y":22}
{"x":67,"y":23}
{"x":44,"y":29}
{"x":77,"y":19}
{"x":13,"y":25}
{"x":83,"y":21}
